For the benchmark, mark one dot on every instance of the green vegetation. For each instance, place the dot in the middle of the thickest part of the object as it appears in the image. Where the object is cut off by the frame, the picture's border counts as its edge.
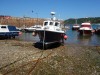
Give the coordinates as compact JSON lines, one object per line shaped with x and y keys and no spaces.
{"x":81,"y":20}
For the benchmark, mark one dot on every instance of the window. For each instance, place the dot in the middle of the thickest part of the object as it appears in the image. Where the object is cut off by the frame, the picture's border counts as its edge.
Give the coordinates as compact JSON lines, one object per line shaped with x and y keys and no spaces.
{"x":46,"y":23}
{"x":3,"y":26}
{"x":51,"y":23}
{"x":56,"y":24}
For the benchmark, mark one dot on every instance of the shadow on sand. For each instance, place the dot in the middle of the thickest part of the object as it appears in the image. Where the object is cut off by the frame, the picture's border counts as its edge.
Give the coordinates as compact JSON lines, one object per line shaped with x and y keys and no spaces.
{"x":49,"y":46}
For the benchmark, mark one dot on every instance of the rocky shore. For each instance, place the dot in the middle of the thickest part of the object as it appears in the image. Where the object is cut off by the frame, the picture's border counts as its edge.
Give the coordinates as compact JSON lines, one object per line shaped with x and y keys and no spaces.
{"x":23,"y":58}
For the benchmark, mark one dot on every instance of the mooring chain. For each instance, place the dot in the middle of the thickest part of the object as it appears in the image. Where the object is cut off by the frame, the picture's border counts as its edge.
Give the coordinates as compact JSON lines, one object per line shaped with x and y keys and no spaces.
{"x":18,"y":61}
{"x":37,"y":61}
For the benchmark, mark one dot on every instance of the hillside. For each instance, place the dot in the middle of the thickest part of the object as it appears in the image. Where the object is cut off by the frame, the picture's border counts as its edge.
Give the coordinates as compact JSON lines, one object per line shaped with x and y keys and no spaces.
{"x":19,"y":22}
{"x":81,"y":20}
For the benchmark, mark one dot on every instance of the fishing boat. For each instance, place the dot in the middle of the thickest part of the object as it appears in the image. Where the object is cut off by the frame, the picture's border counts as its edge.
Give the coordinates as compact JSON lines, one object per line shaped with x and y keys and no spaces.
{"x":75,"y":26}
{"x":85,"y":29}
{"x":51,"y":32}
{"x":97,"y":30}
{"x":8,"y":31}
{"x":32,"y":28}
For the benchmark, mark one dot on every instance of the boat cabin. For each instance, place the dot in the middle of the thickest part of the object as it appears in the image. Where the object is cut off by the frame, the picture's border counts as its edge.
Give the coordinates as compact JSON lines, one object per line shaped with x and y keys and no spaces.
{"x":88,"y":25}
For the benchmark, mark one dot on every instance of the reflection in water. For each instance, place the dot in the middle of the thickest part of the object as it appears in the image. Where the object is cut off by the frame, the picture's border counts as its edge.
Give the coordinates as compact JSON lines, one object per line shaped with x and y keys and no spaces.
{"x":95,"y":40}
{"x":84,"y":40}
{"x":28,"y":37}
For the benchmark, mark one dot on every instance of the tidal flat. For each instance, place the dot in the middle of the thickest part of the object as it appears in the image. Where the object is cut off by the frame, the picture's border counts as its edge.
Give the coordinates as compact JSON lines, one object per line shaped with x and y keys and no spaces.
{"x":23,"y":58}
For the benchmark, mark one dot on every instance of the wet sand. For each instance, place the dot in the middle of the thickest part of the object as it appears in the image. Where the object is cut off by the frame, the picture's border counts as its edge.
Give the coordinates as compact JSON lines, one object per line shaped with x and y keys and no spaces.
{"x":23,"y":58}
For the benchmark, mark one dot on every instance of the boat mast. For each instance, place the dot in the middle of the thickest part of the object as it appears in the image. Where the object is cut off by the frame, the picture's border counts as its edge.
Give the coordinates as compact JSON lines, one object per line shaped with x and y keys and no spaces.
{"x":76,"y":21}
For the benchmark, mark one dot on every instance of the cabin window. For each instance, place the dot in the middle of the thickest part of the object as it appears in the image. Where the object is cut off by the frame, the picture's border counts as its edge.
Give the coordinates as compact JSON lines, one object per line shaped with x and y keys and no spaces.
{"x":56,"y":24}
{"x":51,"y":23}
{"x":3,"y":26}
{"x":46,"y":23}
{"x":86,"y":26}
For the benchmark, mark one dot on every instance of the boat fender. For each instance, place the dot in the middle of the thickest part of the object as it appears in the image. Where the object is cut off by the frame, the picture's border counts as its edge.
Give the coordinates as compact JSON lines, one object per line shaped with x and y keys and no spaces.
{"x":34,"y":34}
{"x":65,"y":37}
{"x":93,"y":31}
{"x":20,"y":33}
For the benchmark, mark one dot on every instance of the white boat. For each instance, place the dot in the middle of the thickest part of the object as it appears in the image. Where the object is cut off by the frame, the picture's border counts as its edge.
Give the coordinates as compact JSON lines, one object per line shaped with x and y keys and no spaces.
{"x":32,"y":28}
{"x":85,"y":29}
{"x":8,"y":31}
{"x":51,"y":32}
{"x":75,"y":26}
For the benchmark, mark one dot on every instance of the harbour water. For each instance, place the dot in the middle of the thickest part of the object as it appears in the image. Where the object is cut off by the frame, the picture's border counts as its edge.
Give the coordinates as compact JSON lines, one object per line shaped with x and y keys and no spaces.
{"x":73,"y":38}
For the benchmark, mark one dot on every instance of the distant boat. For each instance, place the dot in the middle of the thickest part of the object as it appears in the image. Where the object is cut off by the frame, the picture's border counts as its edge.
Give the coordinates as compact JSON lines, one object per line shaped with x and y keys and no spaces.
{"x":97,"y":30}
{"x":32,"y":28}
{"x":51,"y":32}
{"x":85,"y":29}
{"x":8,"y":31}
{"x":98,"y":24}
{"x":66,"y":27}
{"x":75,"y":26}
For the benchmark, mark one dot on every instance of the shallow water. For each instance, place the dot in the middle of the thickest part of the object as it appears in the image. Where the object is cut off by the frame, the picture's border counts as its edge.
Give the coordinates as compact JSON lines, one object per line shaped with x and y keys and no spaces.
{"x":73,"y":38}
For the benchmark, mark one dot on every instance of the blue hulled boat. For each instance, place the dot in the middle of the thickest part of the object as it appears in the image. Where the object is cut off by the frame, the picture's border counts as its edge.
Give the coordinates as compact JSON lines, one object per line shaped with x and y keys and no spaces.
{"x":8,"y":31}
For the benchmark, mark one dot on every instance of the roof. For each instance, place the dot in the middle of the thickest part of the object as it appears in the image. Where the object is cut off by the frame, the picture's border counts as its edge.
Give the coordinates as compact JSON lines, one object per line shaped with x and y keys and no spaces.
{"x":86,"y":24}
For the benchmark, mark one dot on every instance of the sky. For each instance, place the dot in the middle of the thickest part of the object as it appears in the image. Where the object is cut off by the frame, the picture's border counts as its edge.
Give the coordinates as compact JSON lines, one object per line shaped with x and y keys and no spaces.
{"x":64,"y":9}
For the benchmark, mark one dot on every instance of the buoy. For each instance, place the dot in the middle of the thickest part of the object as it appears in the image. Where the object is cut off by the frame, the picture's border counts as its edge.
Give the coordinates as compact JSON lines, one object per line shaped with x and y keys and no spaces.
{"x":65,"y":37}
{"x":34,"y":34}
{"x":20,"y":33}
{"x":93,"y":31}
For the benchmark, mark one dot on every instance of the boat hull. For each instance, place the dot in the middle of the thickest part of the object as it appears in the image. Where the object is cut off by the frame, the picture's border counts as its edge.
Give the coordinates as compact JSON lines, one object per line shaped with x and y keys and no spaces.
{"x":50,"y":37}
{"x":75,"y":28}
{"x":9,"y":34}
{"x":8,"y":31}
{"x":85,"y":32}
{"x":97,"y":31}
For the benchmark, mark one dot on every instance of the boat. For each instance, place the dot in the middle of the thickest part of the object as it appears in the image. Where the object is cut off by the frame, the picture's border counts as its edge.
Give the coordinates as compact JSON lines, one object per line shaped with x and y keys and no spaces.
{"x":75,"y":26}
{"x":8,"y":31}
{"x":51,"y":32}
{"x":85,"y":29}
{"x":66,"y":27}
{"x":97,"y":30}
{"x":32,"y":28}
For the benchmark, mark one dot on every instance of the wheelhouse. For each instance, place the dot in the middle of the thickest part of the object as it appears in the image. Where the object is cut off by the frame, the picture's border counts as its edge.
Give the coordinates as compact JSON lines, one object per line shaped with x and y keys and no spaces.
{"x":51,"y":23}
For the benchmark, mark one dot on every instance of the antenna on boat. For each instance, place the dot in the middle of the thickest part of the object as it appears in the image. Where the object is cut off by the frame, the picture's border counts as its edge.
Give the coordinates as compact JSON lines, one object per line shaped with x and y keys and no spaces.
{"x":52,"y":14}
